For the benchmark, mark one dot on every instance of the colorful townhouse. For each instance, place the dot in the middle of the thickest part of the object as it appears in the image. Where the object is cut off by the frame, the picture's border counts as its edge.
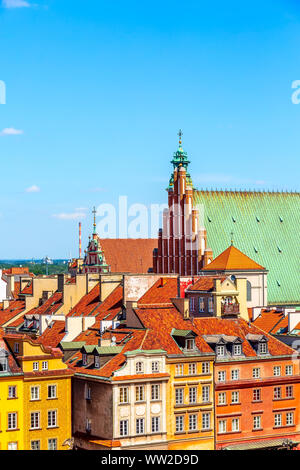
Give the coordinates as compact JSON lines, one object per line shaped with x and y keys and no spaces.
{"x":36,"y":395}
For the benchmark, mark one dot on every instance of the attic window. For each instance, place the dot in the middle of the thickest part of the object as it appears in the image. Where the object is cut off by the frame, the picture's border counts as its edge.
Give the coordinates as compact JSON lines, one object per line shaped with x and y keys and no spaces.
{"x":209,"y":219}
{"x":263,"y":348}
{"x":190,"y":344}
{"x":278,"y":283}
{"x":233,"y":219}
{"x":257,"y":218}
{"x":255,"y":249}
{"x":279,"y":249}
{"x":84,"y":359}
{"x":97,"y":362}
{"x":220,"y":350}
{"x":281,"y":219}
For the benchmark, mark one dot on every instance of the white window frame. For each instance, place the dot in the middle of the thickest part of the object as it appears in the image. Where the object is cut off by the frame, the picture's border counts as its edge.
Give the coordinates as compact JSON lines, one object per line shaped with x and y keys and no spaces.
{"x":33,"y":395}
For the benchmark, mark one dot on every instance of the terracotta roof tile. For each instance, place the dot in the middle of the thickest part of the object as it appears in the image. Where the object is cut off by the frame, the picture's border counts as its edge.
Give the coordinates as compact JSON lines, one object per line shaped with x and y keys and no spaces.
{"x":87,"y":303}
{"x":53,"y":335}
{"x":232,"y":259}
{"x":128,"y":254}
{"x":15,"y":307}
{"x":268,"y":320}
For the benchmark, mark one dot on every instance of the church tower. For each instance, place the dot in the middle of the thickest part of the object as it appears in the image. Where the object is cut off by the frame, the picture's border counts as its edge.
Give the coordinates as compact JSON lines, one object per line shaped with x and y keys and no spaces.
{"x":94,"y":260}
{"x":181,"y":241}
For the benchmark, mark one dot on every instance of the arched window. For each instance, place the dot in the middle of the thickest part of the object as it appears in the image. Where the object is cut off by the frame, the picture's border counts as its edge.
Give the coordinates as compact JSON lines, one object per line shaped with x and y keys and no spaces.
{"x":249,"y":292}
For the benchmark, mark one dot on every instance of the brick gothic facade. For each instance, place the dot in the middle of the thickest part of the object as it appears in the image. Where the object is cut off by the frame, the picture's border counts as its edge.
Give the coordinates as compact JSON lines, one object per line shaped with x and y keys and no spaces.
{"x":181,"y":242}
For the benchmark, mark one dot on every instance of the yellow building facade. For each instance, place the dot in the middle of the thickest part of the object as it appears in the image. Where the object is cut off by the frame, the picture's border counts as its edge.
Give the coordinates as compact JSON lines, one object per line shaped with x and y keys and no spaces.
{"x":36,"y":398}
{"x":190,"y":403}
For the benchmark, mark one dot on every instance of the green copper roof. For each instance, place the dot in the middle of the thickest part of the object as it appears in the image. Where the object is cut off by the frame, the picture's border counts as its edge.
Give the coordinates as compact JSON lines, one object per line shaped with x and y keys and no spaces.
{"x":265,"y":227}
{"x":66,"y":345}
{"x":183,"y":333}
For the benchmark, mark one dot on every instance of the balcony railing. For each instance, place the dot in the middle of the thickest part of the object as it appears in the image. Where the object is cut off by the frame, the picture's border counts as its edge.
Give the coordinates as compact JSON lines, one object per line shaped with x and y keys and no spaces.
{"x":230,"y":309}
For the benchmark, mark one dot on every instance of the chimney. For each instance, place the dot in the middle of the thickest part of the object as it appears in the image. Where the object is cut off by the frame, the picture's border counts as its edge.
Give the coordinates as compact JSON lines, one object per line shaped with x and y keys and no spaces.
{"x":208,"y":256}
{"x":79,"y":240}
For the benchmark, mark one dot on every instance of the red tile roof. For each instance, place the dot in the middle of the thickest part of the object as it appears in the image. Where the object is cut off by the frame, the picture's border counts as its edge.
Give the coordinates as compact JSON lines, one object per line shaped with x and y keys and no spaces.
{"x":269,"y":320}
{"x":205,"y":283}
{"x":28,"y":289}
{"x":110,"y":307}
{"x":160,"y":293}
{"x":53,"y":335}
{"x":232,"y":259}
{"x":240,"y":328}
{"x":128,"y":254}
{"x":15,"y":307}
{"x":87,"y":303}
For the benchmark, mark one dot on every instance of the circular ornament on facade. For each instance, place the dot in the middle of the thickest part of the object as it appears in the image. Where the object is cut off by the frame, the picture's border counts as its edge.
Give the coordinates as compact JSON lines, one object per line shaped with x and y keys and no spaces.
{"x":140,"y":410}
{"x":155,"y":409}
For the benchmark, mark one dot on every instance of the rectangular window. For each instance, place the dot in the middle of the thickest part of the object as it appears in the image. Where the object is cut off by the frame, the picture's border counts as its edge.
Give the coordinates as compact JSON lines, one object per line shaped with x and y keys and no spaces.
{"x":17,"y":348}
{"x":155,"y":392}
{"x":235,"y":425}
{"x":192,"y":369}
{"x":179,"y":423}
{"x":192,"y":304}
{"x":193,"y":394}
{"x":51,"y":391}
{"x":179,"y":396}
{"x":88,"y":425}
{"x":235,"y":374}
{"x":35,"y":392}
{"x":97,"y":362}
{"x":257,"y":422}
{"x":35,"y":445}
{"x":206,"y":421}
{"x":179,"y":369}
{"x":222,"y":398}
{"x":12,"y":421}
{"x":220,"y":351}
{"x":210,"y":305}
{"x":192,"y":422}
{"x":139,"y":367}
{"x":35,"y":420}
{"x":123,"y":394}
{"x":190,"y":344}
{"x":35,"y":366}
{"x":277,"y":393}
{"x":205,"y":368}
{"x":277,"y":371}
{"x":289,"y":370}
{"x":235,"y":397}
{"x":52,"y":444}
{"x":263,"y":348}
{"x":84,"y":359}
{"x":139,"y":393}
{"x":201,"y":304}
{"x":289,"y":419}
{"x":124,"y":427}
{"x":155,"y":366}
{"x":52,"y":419}
{"x":45,"y":365}
{"x":88,"y":392}
{"x":12,"y":391}
{"x":222,"y":376}
{"x":237,"y":349}
{"x":257,"y":394}
{"x":155,"y":424}
{"x":256,"y":373}
{"x":140,"y":426}
{"x":12,"y":446}
{"x":222,"y":426}
{"x":289,"y":391}
{"x":278,"y":420}
{"x":205,"y":393}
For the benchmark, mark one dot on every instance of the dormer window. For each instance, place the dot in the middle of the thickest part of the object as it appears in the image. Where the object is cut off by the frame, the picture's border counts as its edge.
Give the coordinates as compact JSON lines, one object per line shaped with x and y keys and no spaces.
{"x":3,"y":364}
{"x":17,"y":348}
{"x":84,"y":359}
{"x":220,"y":350}
{"x":237,"y":349}
{"x":190,"y":344}
{"x":263,"y":348}
{"x":139,"y":367}
{"x":97,"y":362}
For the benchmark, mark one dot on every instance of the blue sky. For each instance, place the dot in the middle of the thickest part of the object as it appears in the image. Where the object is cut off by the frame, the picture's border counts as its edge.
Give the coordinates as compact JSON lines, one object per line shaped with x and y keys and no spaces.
{"x":97,"y":90}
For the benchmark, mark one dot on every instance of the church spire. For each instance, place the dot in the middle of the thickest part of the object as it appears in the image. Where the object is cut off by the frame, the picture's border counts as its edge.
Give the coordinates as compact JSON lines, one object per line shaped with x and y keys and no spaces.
{"x":94,"y":224}
{"x":180,"y":159}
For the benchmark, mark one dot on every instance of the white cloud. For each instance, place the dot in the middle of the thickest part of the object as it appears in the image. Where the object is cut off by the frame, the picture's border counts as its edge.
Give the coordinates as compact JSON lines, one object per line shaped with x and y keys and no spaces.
{"x":11,"y":131}
{"x":81,"y":209}
{"x":70,"y":216}
{"x":33,"y":189}
{"x":15,"y":4}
